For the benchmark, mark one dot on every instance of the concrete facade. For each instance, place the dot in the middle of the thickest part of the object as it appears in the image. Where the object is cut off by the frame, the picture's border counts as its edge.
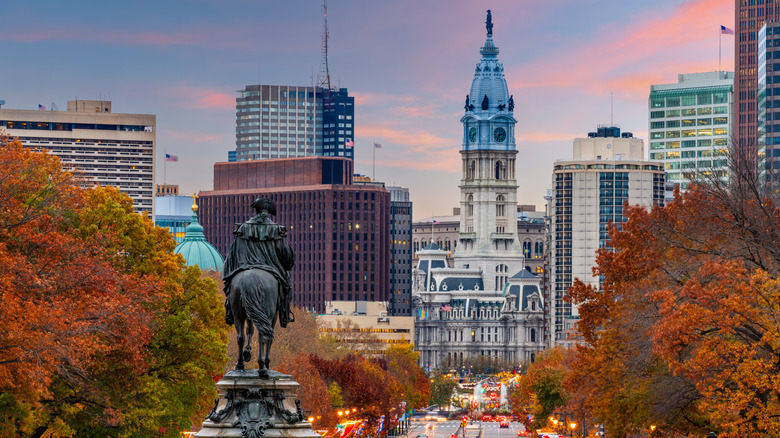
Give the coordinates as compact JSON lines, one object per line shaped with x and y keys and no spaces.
{"x":588,"y":193}
{"x":367,"y":326}
{"x":105,"y":148}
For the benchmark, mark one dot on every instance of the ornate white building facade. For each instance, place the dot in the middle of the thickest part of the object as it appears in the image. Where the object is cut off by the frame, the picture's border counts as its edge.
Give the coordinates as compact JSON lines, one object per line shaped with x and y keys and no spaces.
{"x":486,"y":305}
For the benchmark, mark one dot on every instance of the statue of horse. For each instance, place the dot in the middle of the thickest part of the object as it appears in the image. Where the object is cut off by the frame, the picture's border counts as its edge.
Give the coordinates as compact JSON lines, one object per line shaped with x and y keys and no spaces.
{"x":253,"y":301}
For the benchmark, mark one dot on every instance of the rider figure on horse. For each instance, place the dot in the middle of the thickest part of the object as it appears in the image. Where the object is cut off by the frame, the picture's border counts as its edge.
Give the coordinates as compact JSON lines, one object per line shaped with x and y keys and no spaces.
{"x":259,"y":243}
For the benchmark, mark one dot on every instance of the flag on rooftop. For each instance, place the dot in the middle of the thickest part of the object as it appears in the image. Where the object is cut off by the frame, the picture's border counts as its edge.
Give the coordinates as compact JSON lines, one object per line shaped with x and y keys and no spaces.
{"x":349,"y":143}
{"x":377,"y":145}
{"x":169,"y":157}
{"x":446,"y":308}
{"x":726,"y":31}
{"x":41,"y":107}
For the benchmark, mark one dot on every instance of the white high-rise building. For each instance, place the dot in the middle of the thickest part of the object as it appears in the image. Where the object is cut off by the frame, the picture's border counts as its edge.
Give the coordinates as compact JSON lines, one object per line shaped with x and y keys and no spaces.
{"x":105,"y":148}
{"x":588,"y":192}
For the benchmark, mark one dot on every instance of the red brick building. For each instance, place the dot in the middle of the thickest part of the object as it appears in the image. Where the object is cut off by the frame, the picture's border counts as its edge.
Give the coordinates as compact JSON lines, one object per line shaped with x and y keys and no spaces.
{"x":340,"y":232}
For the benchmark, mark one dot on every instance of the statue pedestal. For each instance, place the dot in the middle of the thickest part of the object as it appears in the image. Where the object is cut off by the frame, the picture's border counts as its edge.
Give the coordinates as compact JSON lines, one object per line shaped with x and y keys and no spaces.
{"x":250,"y":406}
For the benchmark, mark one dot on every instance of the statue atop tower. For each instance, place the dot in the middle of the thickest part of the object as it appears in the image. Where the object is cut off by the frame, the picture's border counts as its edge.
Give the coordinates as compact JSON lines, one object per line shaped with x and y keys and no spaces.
{"x":489,"y":23}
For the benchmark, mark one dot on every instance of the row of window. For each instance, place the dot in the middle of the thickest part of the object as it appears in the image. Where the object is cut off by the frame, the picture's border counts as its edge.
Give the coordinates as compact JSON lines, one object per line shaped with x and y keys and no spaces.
{"x":689,"y":100}
{"x":689,"y":112}
{"x":707,"y":132}
{"x":721,"y":142}
{"x":689,"y":122}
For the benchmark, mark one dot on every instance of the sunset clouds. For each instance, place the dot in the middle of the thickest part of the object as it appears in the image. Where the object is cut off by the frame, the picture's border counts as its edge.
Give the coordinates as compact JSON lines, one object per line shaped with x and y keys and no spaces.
{"x":570,"y":64}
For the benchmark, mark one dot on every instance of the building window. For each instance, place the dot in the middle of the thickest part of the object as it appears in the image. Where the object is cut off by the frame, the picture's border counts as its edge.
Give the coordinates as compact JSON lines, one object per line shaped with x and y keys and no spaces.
{"x":500,"y":206}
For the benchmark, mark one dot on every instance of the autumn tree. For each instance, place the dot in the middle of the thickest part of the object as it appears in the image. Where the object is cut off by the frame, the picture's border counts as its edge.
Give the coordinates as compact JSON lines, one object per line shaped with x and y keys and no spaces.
{"x":682,"y":332}
{"x":541,"y":390}
{"x":105,"y":332}
{"x":407,"y":378}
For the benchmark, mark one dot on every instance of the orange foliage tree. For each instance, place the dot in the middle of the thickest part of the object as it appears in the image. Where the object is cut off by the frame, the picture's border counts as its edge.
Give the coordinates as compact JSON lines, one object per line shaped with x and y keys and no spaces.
{"x":683,"y":333}
{"x":104,"y":331}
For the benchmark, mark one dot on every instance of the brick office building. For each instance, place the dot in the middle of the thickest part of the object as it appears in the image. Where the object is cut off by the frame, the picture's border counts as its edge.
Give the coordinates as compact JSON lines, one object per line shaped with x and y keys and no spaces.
{"x":340,"y":232}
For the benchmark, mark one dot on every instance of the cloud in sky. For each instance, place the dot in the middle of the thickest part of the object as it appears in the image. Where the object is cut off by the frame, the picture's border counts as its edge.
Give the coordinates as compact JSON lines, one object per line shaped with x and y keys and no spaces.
{"x":409,"y":65}
{"x":196,"y":97}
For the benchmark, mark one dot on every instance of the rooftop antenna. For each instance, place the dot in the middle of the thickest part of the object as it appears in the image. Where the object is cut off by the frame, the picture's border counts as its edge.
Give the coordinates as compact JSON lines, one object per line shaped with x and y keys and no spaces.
{"x":611,"y":108}
{"x":323,"y":77}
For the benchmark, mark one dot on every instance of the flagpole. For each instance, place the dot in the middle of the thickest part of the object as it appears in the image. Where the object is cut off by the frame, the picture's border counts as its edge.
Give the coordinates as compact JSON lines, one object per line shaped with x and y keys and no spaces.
{"x":165,"y":167}
{"x":373,"y":175}
{"x":720,"y":36}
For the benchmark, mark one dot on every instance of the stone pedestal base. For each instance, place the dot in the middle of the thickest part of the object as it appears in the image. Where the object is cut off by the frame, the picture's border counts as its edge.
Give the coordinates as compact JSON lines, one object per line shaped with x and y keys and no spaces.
{"x":250,"y":406}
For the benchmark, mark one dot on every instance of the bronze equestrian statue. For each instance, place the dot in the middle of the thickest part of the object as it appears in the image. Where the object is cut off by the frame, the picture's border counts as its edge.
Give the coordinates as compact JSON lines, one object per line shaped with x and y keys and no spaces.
{"x":257,"y":283}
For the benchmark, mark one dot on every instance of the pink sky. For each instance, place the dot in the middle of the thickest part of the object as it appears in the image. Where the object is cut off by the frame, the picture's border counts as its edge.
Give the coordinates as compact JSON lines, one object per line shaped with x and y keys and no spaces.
{"x":570,"y":64}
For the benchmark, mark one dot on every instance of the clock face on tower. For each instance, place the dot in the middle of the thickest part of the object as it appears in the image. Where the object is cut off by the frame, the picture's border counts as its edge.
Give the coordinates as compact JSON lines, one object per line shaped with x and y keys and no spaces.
{"x":473,"y":135}
{"x":499,"y":135}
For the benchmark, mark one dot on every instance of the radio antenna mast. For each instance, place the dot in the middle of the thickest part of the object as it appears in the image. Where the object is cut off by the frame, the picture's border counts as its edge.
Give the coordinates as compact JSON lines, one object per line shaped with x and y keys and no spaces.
{"x":323,"y":77}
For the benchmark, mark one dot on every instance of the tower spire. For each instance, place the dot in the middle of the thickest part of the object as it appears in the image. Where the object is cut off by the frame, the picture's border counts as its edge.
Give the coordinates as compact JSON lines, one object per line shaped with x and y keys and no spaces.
{"x":323,"y":77}
{"x":489,"y":23}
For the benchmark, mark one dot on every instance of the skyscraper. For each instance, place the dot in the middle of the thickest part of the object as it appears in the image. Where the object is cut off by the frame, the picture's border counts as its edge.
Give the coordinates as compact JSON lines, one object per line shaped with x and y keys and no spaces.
{"x":105,"y":148}
{"x":340,"y":231}
{"x":606,"y":170}
{"x":750,"y":16}
{"x":400,"y":252}
{"x":281,"y":121}
{"x":768,"y":116}
{"x":690,"y":125}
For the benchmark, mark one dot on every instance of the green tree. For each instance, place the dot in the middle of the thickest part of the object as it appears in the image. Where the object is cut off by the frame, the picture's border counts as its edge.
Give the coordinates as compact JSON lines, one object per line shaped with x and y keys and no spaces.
{"x":442,"y":389}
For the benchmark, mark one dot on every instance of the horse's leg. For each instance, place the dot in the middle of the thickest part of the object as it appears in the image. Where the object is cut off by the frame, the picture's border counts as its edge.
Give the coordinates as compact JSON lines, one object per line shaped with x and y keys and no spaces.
{"x":247,"y":353}
{"x":239,"y":323}
{"x":273,"y":312}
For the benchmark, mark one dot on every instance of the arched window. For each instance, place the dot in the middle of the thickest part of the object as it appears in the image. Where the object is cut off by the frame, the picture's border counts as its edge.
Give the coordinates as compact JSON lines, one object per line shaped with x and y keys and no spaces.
{"x":533,"y":335}
{"x":500,"y":200}
{"x":538,"y":249}
{"x":470,"y":206}
{"x":527,"y":249}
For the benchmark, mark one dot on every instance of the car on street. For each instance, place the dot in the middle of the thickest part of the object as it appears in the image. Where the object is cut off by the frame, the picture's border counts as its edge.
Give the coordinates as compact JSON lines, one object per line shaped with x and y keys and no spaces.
{"x":522,"y":433}
{"x":503,"y":425}
{"x":487,"y":418}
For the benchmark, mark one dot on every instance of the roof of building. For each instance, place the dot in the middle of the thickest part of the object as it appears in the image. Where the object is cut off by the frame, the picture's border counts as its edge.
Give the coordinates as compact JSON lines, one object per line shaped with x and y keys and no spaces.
{"x":524,"y":273}
{"x":196,"y":250}
{"x":432,"y":246}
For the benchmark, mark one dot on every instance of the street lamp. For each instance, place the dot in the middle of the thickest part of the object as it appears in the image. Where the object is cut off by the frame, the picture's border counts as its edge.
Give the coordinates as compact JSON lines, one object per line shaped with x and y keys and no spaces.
{"x":573,"y":426}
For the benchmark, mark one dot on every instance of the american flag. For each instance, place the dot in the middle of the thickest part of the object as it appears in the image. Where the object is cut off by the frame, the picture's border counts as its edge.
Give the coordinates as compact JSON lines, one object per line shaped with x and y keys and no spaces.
{"x":377,"y":146}
{"x":169,"y":157}
{"x":726,"y":31}
{"x":446,"y":308}
{"x":349,"y":143}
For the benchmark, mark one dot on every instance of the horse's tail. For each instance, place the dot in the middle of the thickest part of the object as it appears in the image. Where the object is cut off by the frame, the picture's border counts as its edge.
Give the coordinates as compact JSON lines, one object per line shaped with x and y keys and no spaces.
{"x":253,"y":300}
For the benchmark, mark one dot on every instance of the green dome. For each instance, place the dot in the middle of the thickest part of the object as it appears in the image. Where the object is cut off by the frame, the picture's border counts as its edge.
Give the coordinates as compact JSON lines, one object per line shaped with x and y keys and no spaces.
{"x":196,"y":250}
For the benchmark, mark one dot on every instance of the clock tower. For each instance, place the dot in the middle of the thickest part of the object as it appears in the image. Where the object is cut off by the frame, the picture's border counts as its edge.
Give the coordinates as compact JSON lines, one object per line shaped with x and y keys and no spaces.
{"x":488,"y":189}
